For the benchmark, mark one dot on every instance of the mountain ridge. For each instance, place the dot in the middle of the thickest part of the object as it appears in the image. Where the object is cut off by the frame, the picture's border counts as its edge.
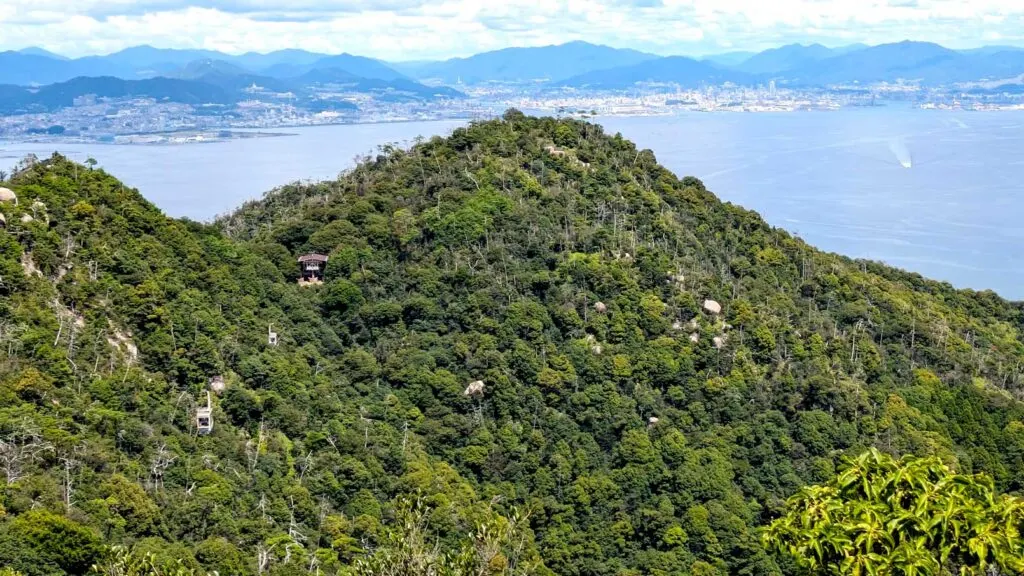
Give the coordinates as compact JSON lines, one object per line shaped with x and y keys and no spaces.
{"x":794,"y":63}
{"x":529,"y":313}
{"x":52,"y":97}
{"x":784,"y":58}
{"x":141,"y":62}
{"x":213,"y":82}
{"x":817,"y":66}
{"x":672,"y":69}
{"x":553,"y":63}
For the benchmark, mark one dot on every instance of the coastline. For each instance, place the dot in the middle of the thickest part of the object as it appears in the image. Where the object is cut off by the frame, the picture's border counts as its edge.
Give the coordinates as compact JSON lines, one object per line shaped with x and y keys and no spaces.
{"x":176,"y":138}
{"x":212,"y":136}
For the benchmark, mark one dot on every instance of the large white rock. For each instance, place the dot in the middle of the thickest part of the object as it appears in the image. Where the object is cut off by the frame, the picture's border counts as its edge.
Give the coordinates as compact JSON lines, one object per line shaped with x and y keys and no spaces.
{"x":8,"y":195}
{"x":600,"y":307}
{"x":712,"y":307}
{"x":475,"y":388}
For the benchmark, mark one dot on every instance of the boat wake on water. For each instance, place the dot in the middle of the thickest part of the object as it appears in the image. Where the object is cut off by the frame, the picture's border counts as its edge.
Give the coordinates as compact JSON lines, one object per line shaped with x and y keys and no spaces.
{"x":898,"y":146}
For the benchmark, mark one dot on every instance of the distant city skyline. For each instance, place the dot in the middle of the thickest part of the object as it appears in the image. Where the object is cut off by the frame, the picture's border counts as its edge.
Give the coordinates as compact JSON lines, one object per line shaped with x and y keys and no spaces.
{"x":403,"y":30}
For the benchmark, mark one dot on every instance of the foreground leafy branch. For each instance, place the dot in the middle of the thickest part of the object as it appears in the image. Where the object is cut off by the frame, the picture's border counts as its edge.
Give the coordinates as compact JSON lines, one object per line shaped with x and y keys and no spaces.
{"x":497,"y":547}
{"x":121,"y":561}
{"x":907,"y":517}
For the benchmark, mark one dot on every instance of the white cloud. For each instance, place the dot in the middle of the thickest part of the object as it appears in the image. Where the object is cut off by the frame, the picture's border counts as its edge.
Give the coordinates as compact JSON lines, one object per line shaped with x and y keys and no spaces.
{"x":416,"y":29}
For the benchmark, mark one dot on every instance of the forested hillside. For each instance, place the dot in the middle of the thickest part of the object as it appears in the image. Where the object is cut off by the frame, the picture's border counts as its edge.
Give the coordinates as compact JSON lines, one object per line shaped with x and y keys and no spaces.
{"x":527,"y":318}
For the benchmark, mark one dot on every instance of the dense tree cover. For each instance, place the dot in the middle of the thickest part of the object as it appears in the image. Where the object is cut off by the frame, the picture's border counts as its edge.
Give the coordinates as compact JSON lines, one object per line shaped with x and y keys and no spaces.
{"x":908,"y":517}
{"x":561,"y":267}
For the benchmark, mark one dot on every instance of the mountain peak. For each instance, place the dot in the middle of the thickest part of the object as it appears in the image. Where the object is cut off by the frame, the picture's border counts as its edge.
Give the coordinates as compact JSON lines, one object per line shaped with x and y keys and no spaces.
{"x":680,"y":70}
{"x":528,"y":308}
{"x":550,"y":63}
{"x":36,"y":51}
{"x":788,"y":57}
{"x":199,"y":68}
{"x":581,"y":44}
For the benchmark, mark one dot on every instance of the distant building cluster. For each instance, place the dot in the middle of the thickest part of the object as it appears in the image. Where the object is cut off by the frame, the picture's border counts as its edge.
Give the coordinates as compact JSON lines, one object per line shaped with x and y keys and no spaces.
{"x":144,"y":120}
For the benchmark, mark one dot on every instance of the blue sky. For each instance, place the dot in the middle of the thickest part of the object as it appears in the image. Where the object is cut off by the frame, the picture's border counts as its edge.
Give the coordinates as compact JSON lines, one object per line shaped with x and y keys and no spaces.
{"x":430,"y":29}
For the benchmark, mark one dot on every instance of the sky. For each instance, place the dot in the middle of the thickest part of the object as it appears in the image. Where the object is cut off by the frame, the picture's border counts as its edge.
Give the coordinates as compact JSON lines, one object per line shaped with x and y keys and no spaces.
{"x":434,"y":29}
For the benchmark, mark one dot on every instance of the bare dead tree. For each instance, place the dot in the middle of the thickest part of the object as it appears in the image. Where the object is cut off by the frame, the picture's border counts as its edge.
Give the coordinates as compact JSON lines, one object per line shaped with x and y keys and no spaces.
{"x":21,"y":447}
{"x":10,"y":336}
{"x":253,"y":449}
{"x":158,"y":464}
{"x":71,"y":463}
{"x":262,"y":507}
{"x":68,"y":246}
{"x":293,"y":527}
{"x":304,"y":464}
{"x":262,"y":558}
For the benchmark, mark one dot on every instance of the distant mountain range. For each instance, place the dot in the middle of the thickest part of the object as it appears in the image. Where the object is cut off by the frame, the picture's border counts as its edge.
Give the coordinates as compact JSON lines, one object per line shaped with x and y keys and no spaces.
{"x":579,"y":64}
{"x":18,"y":99}
{"x":792,"y":56}
{"x":922,"y":62}
{"x":817,"y":65}
{"x":188,"y":75}
{"x":545,"y":63}
{"x":671,"y":70}
{"x":729,"y":58}
{"x":34,"y":66}
{"x":33,"y":80}
{"x":210,"y":83}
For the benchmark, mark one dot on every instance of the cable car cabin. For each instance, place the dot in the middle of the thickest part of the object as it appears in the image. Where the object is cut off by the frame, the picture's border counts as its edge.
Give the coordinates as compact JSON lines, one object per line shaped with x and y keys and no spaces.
{"x":204,"y":420}
{"x":312,"y":268}
{"x":204,"y":417}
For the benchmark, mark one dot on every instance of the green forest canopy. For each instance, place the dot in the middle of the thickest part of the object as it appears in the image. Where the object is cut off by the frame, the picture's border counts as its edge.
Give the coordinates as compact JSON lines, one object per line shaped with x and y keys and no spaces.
{"x":660,"y":370}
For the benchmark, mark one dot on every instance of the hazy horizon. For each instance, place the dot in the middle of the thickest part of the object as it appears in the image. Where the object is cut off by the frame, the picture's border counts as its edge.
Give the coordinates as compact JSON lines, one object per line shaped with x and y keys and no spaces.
{"x":399,"y":30}
{"x":827,"y":44}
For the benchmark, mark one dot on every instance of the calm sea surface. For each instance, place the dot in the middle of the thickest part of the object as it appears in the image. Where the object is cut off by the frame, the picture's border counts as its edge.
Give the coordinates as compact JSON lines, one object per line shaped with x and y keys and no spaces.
{"x":941,"y":193}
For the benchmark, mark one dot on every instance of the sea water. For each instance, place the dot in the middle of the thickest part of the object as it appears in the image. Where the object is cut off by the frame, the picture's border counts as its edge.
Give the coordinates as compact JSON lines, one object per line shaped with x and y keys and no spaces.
{"x":936,"y":192}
